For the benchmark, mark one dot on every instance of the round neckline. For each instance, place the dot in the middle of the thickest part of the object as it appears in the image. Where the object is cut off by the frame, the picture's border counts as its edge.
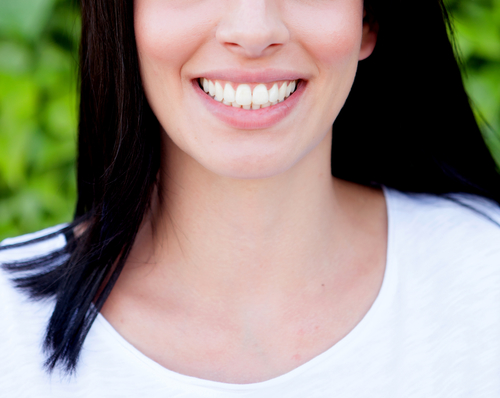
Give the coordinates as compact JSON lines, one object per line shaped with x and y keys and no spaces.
{"x":383,"y":296}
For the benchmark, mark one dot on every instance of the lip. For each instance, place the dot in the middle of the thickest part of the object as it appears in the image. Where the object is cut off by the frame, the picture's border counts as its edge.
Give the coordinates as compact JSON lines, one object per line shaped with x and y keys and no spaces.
{"x":252,"y":76}
{"x":252,"y":119}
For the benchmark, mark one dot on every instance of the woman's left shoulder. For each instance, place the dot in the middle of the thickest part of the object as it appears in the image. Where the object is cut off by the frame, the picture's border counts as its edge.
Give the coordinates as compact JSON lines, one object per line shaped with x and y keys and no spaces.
{"x":457,"y":234}
{"x":469,"y":214}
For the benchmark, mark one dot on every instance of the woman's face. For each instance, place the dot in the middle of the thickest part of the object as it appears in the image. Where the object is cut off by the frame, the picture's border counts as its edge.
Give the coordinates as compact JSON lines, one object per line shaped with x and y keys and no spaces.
{"x":250,"y":52}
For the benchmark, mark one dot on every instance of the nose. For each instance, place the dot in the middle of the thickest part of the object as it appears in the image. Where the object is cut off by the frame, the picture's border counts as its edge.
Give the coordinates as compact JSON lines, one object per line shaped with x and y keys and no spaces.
{"x":252,"y":28}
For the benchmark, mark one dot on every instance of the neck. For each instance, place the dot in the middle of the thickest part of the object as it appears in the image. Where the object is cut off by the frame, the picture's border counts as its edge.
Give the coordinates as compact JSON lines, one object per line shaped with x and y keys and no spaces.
{"x":234,"y":238}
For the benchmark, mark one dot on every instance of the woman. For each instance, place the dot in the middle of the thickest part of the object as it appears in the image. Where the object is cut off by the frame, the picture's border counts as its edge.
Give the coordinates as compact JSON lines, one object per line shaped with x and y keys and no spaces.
{"x":212,"y":253}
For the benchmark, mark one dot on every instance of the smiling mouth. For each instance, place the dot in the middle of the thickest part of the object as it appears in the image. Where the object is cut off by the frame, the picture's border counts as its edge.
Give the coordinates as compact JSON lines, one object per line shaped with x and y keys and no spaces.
{"x":248,"y":96}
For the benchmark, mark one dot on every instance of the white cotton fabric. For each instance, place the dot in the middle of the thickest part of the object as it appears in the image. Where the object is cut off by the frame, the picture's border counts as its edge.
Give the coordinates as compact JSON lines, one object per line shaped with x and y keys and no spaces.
{"x":433,"y":331}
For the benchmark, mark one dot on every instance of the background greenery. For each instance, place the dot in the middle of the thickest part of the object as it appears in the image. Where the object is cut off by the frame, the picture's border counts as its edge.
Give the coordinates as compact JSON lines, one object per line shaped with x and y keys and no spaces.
{"x":38,"y":54}
{"x":38,"y":65}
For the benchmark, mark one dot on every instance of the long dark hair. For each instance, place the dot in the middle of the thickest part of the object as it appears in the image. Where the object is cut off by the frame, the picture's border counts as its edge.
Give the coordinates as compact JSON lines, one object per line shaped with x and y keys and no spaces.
{"x":407,"y":124}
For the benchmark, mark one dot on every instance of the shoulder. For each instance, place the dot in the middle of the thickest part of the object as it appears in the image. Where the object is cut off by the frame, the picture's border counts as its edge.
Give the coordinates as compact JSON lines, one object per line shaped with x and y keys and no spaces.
{"x":457,"y":219}
{"x":20,"y":257}
{"x":32,"y":245}
{"x":466,"y":206}
{"x":23,"y":320}
{"x":446,"y":244}
{"x":17,"y":256}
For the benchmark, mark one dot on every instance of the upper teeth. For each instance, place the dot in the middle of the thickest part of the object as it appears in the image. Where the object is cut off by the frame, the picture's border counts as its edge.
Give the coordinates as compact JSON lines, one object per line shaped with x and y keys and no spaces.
{"x":244,"y":97}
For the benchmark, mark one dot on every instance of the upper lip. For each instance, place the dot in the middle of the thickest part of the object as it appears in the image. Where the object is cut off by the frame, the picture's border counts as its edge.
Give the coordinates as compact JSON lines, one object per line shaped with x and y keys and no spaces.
{"x":252,"y":76}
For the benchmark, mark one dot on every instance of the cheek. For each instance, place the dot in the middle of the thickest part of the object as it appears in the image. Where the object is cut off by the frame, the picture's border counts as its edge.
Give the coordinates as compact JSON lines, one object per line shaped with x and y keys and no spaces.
{"x":330,"y":32}
{"x":168,"y":34}
{"x":170,"y":31}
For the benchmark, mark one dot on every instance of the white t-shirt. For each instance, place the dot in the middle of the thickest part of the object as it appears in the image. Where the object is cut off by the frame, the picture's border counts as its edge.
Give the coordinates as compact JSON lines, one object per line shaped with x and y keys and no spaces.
{"x":433,"y":331}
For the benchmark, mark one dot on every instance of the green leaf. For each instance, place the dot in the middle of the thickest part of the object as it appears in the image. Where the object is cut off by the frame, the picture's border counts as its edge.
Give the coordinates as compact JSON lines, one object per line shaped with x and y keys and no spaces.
{"x":26,"y":18}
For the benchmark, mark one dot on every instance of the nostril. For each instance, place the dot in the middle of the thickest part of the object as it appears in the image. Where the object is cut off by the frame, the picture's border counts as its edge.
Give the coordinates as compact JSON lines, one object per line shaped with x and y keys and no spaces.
{"x":252,"y":32}
{"x":232,"y":45}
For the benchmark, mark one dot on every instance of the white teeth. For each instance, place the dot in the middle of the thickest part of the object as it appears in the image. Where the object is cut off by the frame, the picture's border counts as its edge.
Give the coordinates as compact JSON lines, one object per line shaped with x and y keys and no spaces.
{"x":219,"y":92}
{"x":211,"y":88}
{"x":260,"y":95}
{"x":274,"y":93}
{"x":282,"y":92}
{"x":243,"y":97}
{"x":229,"y":93}
{"x":243,"y":94}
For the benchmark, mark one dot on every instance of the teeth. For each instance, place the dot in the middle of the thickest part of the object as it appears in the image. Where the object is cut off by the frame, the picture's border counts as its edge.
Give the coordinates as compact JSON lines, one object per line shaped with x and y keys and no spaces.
{"x":229,"y":93}
{"x":243,"y":94}
{"x":243,"y":97}
{"x":219,"y":92}
{"x":274,"y":93}
{"x":260,"y":95}
{"x":282,"y":92}
{"x":211,"y":88}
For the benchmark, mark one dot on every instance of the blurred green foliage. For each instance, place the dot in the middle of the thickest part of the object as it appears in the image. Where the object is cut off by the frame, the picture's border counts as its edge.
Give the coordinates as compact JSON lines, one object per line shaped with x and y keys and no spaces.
{"x":38,"y":115}
{"x":477,"y":27}
{"x":38,"y":101}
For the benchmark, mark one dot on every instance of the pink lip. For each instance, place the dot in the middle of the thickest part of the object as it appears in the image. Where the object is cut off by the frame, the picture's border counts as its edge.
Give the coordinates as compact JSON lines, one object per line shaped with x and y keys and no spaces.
{"x":255,"y":76}
{"x":252,"y":119}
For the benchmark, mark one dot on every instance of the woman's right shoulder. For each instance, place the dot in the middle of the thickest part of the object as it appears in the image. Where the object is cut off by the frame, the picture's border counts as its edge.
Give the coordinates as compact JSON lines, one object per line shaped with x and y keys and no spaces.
{"x":16,"y":306}
{"x":23,"y":319}
{"x":18,"y":257}
{"x":32,"y":245}
{"x":15,"y":256}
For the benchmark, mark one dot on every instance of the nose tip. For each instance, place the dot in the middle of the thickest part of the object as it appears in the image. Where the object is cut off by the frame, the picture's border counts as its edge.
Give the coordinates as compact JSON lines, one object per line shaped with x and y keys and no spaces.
{"x":252,"y":28}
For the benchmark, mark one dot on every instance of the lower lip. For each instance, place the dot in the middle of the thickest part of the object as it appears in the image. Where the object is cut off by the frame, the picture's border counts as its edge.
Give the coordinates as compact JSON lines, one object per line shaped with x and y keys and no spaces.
{"x":251,"y":119}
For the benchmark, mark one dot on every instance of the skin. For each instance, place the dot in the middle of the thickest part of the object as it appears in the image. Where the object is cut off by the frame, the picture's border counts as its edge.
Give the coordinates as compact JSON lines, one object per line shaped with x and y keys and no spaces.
{"x":255,"y":260}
